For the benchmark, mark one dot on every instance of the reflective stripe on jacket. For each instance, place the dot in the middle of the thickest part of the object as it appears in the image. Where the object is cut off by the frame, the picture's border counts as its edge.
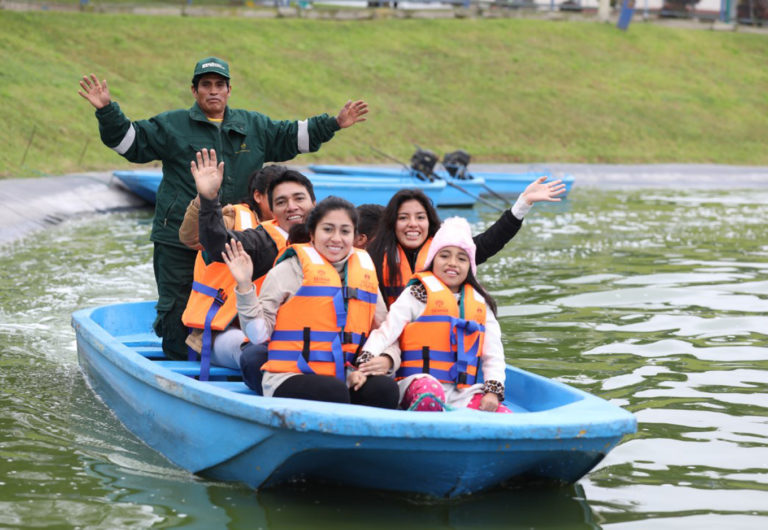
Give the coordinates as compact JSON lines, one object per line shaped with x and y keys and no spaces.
{"x":446,"y":341}
{"x":326,"y":321}
{"x":391,"y":292}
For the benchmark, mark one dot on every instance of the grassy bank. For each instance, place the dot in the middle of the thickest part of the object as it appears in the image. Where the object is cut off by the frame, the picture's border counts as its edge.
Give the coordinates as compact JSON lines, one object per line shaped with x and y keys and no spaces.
{"x":505,"y":90}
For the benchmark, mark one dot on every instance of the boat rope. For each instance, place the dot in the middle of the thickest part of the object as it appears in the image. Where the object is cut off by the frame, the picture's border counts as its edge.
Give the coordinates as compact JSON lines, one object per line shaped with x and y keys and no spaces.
{"x":425,"y":395}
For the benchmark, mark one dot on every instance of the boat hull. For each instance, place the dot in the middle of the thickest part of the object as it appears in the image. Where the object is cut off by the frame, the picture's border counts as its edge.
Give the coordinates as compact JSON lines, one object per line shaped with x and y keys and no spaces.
{"x":142,"y":183}
{"x":220,"y":430}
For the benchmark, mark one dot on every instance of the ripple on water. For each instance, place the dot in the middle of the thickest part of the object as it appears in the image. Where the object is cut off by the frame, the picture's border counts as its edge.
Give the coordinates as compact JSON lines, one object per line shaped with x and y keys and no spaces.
{"x":673,"y":347}
{"x":655,"y":302}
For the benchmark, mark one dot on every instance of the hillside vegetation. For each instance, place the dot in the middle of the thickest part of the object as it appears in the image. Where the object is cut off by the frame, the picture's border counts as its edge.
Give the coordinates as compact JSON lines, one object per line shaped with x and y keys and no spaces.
{"x":507,"y":90}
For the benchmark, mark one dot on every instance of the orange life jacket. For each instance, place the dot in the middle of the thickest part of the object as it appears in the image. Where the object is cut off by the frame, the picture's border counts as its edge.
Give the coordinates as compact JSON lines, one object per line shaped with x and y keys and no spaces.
{"x":446,"y":341}
{"x":212,"y":305}
{"x":325,"y":323}
{"x":391,"y":292}
{"x":270,"y":227}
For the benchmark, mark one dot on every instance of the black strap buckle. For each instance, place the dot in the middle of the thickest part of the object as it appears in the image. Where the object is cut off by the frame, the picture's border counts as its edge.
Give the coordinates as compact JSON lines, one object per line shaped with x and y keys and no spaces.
{"x":221,"y":297}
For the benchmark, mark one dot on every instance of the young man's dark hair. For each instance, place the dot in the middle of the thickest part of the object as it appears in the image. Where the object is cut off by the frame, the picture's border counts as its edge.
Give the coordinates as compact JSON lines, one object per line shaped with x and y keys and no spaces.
{"x":290,"y":175}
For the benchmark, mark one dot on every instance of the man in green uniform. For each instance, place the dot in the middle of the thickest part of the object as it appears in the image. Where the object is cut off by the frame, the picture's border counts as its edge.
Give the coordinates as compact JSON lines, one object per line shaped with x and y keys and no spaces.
{"x":243,"y":139}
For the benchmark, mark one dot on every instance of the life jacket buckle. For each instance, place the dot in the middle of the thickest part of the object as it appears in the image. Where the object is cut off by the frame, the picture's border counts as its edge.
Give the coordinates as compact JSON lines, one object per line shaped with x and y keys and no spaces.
{"x":221,"y":297}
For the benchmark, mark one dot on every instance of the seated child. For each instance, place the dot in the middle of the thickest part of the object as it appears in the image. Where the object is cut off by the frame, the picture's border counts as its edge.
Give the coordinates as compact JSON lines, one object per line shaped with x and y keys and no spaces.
{"x":446,"y":327}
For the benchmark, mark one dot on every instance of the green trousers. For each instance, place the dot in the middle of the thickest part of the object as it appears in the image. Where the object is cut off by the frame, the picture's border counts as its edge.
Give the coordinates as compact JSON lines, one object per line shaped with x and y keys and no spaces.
{"x":174,"y":270}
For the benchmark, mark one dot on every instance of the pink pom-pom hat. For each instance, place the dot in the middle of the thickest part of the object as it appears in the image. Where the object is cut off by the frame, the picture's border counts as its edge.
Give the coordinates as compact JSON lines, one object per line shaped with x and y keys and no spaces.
{"x":454,"y":232}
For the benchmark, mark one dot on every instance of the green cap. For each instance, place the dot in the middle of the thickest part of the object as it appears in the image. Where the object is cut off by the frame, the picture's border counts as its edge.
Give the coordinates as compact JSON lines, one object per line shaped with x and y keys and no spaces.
{"x":211,"y":65}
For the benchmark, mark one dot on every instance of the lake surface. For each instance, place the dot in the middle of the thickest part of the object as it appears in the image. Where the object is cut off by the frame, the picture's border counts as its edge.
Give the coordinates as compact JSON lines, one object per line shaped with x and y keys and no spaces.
{"x":656,"y":300}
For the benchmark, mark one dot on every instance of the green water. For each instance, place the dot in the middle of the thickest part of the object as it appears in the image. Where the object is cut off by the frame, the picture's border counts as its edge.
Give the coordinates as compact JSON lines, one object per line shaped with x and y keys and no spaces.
{"x":654,"y":299}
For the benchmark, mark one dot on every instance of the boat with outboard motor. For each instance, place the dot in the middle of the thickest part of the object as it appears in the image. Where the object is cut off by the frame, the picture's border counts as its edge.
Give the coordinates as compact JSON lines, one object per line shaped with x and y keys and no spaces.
{"x":479,"y":182}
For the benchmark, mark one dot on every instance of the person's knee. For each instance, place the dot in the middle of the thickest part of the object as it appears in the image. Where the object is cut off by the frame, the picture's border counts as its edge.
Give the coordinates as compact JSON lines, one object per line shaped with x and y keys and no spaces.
{"x":378,"y":391}
{"x":227,"y":348}
{"x":315,"y":388}
{"x":333,"y":390}
{"x":169,"y":326}
{"x":252,"y":358}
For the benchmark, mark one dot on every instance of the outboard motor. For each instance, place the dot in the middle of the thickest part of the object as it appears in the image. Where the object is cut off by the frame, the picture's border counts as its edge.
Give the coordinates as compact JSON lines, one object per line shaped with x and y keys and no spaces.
{"x":456,"y":164}
{"x":423,"y":164}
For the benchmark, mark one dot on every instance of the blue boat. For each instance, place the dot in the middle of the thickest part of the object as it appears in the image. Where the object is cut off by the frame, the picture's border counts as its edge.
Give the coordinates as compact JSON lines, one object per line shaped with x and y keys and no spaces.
{"x":221,"y":430}
{"x":143,"y":183}
{"x":480,"y":182}
{"x":357,"y":190}
{"x":373,"y":190}
{"x":458,"y":193}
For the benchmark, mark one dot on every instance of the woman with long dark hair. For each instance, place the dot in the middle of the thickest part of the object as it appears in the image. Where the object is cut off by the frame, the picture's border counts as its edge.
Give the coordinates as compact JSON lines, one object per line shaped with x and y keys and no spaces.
{"x":447,"y":331}
{"x":409,"y":222}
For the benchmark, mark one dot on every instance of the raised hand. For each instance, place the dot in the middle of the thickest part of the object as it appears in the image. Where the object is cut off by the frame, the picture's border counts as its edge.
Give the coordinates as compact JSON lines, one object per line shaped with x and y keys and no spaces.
{"x":539,"y":190}
{"x":207,"y":173}
{"x":95,"y":91}
{"x":239,"y":263}
{"x":351,"y":113}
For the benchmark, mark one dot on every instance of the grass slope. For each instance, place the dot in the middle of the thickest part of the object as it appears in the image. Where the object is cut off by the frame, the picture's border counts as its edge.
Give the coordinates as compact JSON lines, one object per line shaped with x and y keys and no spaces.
{"x":505,"y":90}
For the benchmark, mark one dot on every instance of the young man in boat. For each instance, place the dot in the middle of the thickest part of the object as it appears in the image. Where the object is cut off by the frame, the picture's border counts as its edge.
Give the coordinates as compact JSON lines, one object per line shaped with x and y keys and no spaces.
{"x":291,"y":197}
{"x":210,"y":318}
{"x":244,"y":139}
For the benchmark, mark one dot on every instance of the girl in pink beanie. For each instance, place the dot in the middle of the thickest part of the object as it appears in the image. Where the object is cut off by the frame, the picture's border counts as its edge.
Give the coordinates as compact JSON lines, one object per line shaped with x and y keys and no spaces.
{"x":445,"y":324}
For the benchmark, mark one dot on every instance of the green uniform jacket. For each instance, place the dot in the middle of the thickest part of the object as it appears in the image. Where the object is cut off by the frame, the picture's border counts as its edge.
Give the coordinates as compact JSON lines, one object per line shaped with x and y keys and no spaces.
{"x":244,"y":142}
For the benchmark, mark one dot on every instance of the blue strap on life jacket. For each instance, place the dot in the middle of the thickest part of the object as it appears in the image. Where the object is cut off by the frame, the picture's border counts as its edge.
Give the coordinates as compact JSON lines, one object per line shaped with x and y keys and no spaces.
{"x":460,"y":328}
{"x":219,"y":297}
{"x":462,"y":359}
{"x":354,"y":293}
{"x":335,"y":355}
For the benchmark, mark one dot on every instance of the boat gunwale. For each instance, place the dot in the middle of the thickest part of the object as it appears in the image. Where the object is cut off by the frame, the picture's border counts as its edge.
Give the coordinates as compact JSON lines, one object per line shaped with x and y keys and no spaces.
{"x":607,"y":420}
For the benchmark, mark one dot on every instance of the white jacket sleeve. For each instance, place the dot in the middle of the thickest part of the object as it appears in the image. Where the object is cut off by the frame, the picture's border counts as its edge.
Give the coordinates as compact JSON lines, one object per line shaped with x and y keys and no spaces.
{"x":492,"y":359}
{"x":404,"y":310}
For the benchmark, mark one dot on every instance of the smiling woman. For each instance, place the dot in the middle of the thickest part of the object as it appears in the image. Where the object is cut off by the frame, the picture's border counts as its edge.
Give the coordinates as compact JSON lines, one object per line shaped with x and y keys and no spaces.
{"x":316,"y":293}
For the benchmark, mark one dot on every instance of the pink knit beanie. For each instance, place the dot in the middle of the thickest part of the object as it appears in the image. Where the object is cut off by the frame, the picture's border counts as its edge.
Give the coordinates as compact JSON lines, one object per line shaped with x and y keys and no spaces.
{"x":454,"y":232}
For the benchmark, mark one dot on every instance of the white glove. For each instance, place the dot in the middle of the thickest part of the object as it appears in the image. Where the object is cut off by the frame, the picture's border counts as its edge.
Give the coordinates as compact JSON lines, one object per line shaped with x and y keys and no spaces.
{"x":256,"y":331}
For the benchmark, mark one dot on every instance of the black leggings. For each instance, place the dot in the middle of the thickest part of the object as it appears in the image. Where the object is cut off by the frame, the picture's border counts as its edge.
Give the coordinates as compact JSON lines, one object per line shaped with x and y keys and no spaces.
{"x":378,"y":391}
